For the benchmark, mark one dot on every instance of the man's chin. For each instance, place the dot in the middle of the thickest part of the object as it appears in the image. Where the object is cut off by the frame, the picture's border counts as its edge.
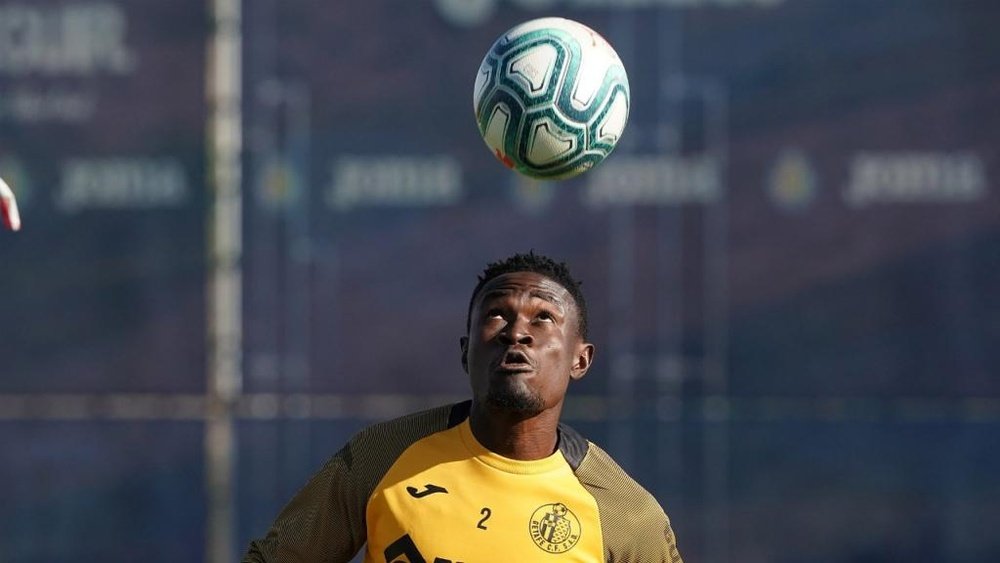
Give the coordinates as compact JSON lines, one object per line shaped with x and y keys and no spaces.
{"x":514,"y":402}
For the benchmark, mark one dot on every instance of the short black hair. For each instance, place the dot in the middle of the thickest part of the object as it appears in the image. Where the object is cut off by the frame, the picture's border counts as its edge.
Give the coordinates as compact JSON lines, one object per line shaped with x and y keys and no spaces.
{"x":538,"y":264}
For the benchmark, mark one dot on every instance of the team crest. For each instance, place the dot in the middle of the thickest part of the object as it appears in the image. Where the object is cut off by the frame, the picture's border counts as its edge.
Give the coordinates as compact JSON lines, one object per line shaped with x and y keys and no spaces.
{"x":554,"y":528}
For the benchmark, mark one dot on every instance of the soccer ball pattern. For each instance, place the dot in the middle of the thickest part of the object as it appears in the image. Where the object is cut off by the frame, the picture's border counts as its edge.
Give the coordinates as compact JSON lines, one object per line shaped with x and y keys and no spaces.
{"x":551,"y":98}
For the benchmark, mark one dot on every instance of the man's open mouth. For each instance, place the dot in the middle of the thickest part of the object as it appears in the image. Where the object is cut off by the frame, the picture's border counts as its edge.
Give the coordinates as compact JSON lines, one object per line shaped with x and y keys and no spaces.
{"x":515,"y":361}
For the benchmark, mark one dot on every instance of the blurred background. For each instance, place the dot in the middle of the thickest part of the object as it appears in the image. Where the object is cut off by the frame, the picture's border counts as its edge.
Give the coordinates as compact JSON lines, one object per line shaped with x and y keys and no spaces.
{"x":792,"y":262}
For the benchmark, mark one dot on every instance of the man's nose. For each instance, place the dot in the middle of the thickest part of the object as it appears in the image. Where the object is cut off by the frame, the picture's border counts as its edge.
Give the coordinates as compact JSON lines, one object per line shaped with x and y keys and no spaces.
{"x":516,"y":332}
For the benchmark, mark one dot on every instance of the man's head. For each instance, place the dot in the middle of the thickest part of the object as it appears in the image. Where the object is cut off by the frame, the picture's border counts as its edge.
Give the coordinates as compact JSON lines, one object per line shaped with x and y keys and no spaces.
{"x":539,"y":264}
{"x":526,"y":335}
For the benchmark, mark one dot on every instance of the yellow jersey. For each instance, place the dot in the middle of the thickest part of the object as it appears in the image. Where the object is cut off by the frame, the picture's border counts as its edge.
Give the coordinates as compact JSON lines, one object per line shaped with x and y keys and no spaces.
{"x":422,"y":489}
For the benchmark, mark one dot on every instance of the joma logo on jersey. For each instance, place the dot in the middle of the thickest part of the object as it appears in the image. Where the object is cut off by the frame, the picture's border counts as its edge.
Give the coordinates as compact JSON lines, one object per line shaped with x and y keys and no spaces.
{"x":554,"y":528}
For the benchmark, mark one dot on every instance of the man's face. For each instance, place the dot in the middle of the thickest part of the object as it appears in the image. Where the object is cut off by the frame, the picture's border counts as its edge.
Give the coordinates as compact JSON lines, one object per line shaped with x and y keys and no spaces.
{"x":524,"y":344}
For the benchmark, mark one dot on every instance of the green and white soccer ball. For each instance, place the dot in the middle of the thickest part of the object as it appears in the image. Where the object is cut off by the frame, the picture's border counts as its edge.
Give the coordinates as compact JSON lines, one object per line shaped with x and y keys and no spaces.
{"x":551,"y":98}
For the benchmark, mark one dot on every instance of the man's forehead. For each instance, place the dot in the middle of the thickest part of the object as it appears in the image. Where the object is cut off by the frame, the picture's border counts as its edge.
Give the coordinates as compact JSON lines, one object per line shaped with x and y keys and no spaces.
{"x":534,"y":284}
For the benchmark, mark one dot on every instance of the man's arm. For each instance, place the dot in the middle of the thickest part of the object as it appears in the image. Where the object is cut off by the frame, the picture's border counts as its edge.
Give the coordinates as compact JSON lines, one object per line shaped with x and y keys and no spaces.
{"x":325,"y":521}
{"x":647,"y":534}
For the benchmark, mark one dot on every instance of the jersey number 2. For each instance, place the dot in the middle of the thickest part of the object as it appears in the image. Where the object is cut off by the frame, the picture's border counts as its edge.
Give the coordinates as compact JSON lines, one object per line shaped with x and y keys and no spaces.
{"x":486,"y":512}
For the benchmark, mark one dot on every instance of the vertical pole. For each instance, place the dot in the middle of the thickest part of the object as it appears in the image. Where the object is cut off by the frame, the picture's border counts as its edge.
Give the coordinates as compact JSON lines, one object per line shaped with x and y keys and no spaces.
{"x":224,"y":284}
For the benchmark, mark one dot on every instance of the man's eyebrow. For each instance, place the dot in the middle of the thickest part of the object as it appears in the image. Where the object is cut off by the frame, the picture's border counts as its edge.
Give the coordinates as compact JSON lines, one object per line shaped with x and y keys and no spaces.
{"x":549,"y":296}
{"x":494,"y":293}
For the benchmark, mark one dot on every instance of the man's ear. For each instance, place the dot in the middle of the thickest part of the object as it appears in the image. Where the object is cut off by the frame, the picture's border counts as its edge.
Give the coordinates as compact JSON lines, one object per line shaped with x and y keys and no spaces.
{"x":464,"y":343}
{"x":584,"y":357}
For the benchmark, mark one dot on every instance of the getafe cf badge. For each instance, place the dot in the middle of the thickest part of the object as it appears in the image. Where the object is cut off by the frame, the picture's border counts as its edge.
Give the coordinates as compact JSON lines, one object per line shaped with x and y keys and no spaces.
{"x":554,"y":528}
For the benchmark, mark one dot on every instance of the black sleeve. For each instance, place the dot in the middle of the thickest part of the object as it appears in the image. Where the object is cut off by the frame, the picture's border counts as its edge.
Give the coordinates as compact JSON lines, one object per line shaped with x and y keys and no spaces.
{"x":325,"y":521}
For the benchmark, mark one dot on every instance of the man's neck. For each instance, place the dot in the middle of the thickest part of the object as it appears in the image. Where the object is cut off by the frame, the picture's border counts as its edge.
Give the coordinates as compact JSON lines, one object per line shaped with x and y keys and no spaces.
{"x":513,"y":435}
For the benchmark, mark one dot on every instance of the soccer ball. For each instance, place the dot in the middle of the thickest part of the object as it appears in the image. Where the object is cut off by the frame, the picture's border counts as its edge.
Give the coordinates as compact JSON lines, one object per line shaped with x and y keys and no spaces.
{"x":551,"y":98}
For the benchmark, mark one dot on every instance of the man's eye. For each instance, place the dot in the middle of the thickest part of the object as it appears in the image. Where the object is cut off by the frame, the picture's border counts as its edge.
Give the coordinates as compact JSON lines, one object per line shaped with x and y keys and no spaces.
{"x":546,"y":316}
{"x":494,"y":313}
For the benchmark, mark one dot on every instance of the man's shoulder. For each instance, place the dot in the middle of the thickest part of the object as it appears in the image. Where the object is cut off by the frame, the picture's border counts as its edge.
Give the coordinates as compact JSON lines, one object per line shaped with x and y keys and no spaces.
{"x":388,"y":439}
{"x":598,"y":468}
{"x":414,"y":421}
{"x":613,"y":488}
